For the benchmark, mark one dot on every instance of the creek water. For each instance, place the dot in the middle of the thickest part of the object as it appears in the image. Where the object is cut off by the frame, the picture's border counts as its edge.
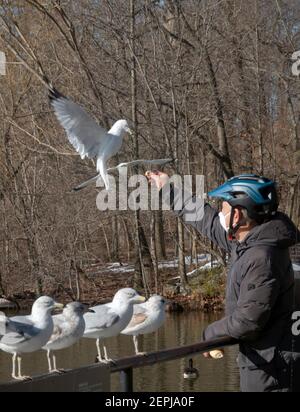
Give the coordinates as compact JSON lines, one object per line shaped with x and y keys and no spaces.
{"x":179,"y":329}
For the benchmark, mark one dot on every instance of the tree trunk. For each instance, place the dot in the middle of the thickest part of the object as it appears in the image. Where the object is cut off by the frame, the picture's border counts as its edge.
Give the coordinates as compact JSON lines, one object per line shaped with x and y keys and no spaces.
{"x":34,"y":265}
{"x":115,"y":255}
{"x":106,"y":242}
{"x":194,"y":252}
{"x":2,"y":291}
{"x":221,"y":131}
{"x":181,"y":257}
{"x":159,"y":235}
{"x":259,"y":103}
{"x":143,"y":262}
{"x":129,"y":240}
{"x":154,"y":245}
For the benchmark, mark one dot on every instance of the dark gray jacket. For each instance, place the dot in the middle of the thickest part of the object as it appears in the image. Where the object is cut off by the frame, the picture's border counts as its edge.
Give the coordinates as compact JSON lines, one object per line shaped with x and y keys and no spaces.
{"x":260,"y":288}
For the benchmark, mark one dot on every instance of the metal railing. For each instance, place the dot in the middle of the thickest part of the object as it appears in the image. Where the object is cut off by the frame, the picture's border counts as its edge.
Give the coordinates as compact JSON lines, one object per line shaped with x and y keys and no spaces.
{"x":124,"y":365}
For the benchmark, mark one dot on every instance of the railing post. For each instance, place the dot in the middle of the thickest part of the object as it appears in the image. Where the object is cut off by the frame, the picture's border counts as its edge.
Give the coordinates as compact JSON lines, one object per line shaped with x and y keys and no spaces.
{"x":126,"y":380}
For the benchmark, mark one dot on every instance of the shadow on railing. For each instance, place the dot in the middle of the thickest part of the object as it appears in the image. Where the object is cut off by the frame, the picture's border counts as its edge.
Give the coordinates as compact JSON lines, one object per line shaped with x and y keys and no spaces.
{"x":97,"y":377}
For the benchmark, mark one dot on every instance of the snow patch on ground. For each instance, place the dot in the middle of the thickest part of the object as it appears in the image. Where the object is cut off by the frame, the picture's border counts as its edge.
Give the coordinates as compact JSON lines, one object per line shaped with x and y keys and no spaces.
{"x":117,"y":267}
{"x":207,"y":265}
{"x":174,"y":263}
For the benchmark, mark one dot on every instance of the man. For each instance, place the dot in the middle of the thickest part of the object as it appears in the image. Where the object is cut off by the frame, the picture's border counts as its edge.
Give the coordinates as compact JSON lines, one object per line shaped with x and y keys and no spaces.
{"x":260,"y":281}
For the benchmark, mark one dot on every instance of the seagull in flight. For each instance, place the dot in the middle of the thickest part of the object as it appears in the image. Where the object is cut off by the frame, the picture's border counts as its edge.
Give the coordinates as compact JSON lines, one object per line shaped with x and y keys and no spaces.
{"x":88,"y":137}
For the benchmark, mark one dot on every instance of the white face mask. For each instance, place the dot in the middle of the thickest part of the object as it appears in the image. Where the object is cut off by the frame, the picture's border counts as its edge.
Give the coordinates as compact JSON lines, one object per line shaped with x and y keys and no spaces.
{"x":222,"y":218}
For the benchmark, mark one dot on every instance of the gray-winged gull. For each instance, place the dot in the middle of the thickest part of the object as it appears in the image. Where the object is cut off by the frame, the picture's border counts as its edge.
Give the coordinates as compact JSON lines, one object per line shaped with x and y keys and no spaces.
{"x":29,"y":333}
{"x":147,"y":318}
{"x":88,"y":137}
{"x":111,"y":318}
{"x":68,"y":329}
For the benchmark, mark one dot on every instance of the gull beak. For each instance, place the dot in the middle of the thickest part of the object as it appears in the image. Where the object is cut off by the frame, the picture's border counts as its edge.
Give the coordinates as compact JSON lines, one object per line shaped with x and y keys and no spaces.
{"x":130,"y":131}
{"x":141,"y":299}
{"x":58,"y":305}
{"x":86,"y":308}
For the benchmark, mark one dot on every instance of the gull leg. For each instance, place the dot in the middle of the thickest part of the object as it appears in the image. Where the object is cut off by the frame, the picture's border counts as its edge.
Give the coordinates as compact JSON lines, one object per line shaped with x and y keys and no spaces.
{"x":136,"y":346}
{"x":13,"y":374}
{"x":107,"y":359}
{"x":49,"y":361}
{"x":20,"y":376}
{"x":55,"y":368}
{"x":99,"y":357}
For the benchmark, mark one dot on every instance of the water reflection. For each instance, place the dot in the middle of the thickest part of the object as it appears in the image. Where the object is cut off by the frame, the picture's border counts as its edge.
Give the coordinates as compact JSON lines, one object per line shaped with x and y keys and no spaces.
{"x":179,"y":329}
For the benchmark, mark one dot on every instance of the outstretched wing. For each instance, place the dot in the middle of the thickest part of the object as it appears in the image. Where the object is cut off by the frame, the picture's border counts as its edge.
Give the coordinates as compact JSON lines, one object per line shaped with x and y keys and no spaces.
{"x":86,"y":136}
{"x":157,"y":162}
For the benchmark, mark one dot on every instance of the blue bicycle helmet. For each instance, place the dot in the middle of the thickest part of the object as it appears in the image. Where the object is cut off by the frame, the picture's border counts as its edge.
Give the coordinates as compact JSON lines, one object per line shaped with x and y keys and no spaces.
{"x":255,"y":193}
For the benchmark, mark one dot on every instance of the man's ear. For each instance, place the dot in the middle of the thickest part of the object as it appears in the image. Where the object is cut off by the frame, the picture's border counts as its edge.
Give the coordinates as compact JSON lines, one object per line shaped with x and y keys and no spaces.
{"x":238,"y":215}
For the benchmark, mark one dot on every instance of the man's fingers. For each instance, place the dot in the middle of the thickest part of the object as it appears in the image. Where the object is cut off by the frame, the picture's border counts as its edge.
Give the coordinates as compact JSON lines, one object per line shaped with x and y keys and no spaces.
{"x":157,"y":177}
{"x":206,"y":354}
{"x":153,"y":176}
{"x":149,"y":176}
{"x":150,"y":173}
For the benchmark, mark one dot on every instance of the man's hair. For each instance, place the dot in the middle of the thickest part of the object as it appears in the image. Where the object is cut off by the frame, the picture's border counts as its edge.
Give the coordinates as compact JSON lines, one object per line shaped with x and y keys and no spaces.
{"x":246,"y":217}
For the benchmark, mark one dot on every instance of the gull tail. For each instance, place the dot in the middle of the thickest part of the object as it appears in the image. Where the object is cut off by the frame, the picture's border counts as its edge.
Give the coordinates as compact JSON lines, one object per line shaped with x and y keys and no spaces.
{"x":6,"y":325}
{"x":86,"y":183}
{"x":3,"y":324}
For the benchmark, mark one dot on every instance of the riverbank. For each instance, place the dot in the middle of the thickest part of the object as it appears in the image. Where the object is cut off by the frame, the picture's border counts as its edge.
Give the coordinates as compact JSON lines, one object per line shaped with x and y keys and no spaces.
{"x":204,"y":291}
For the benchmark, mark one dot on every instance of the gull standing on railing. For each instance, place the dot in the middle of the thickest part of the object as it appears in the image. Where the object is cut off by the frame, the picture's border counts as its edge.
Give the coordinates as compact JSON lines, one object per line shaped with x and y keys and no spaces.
{"x":24,"y":334}
{"x":111,"y":318}
{"x":147,"y":318}
{"x":68,"y":329}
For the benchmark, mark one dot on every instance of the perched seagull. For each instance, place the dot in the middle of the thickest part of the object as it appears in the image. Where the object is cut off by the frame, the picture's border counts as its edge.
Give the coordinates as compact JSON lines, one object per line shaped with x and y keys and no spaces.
{"x":120,"y":166}
{"x":68,"y":329}
{"x":147,"y":318}
{"x":88,"y":137}
{"x":111,"y":318}
{"x":28,"y":333}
